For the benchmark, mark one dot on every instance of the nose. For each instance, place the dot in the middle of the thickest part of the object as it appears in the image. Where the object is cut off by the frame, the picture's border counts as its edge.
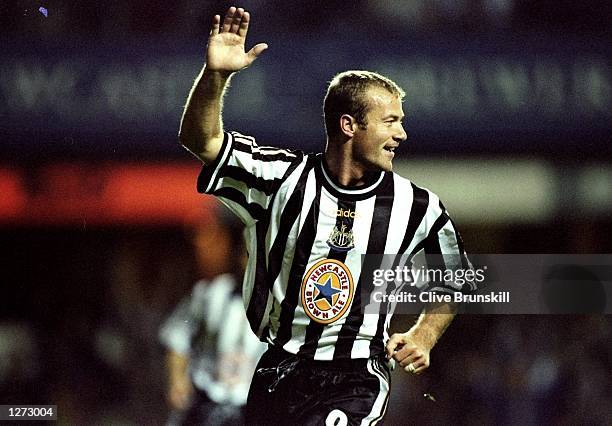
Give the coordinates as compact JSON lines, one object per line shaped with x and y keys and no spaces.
{"x":401,"y":135}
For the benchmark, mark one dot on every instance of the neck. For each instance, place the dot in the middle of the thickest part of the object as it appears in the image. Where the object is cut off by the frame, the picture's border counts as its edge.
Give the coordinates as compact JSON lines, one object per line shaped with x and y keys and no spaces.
{"x":341,"y":165}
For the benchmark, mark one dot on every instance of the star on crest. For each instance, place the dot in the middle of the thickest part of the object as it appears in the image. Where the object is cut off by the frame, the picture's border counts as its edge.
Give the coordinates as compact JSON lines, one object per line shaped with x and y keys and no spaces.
{"x":326,"y":291}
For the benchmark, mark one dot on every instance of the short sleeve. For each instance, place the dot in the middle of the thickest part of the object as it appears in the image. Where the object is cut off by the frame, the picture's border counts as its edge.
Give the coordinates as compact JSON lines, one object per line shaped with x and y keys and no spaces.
{"x":246,"y":176}
{"x":442,"y":254}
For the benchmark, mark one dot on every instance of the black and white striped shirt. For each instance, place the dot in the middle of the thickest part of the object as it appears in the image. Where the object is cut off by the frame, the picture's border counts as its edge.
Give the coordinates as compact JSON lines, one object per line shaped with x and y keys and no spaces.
{"x":306,"y":235}
{"x":210,"y":328}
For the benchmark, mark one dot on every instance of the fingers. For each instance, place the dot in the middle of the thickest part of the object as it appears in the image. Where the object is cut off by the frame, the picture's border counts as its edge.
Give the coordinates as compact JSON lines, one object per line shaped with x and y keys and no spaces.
{"x":394,"y":341}
{"x":417,"y":366}
{"x":215,"y":25}
{"x":229,"y":18}
{"x":225,"y":50}
{"x":408,"y":351}
{"x":256,"y":51}
{"x":415,"y":363}
{"x":400,"y":348}
{"x":413,"y":359}
{"x":236,"y":21}
{"x":244,"y":25}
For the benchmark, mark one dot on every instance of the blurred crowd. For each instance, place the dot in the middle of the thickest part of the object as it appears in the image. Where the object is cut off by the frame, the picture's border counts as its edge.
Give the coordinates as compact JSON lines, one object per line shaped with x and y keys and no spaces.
{"x":514,"y":370}
{"x":114,"y":19}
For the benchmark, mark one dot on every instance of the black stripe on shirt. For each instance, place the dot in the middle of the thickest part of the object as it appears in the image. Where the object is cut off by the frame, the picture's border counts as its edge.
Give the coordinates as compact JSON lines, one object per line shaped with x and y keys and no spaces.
{"x":204,"y":178}
{"x":433,"y":251}
{"x":303,"y":245}
{"x":259,"y":296}
{"x":250,"y":140}
{"x":379,"y":230}
{"x":260,"y":155}
{"x":465,"y":263}
{"x":262,"y":285}
{"x":418,"y":209}
{"x":256,"y":211}
{"x":431,"y":243}
{"x":420,"y":201}
{"x":290,"y":213}
{"x":267,"y":186}
{"x":314,"y":330}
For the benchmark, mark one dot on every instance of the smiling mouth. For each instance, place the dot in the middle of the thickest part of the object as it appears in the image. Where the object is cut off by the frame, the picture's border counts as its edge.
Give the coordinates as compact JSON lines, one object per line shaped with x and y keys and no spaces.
{"x":389,"y":148}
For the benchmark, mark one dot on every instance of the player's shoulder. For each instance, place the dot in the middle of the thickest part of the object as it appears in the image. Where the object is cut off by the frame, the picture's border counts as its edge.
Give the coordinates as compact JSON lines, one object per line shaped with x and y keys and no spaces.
{"x":420,"y":194}
{"x":403,"y":183}
{"x":248,"y":143}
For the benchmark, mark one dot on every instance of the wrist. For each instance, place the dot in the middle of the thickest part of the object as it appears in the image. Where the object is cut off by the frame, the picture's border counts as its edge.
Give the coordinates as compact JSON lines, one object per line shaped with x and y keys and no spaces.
{"x":219,"y":75}
{"x":423,"y":335}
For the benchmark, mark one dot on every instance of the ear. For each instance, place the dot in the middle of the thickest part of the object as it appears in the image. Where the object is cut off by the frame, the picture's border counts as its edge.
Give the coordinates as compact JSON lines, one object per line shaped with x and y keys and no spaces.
{"x":348,"y":125}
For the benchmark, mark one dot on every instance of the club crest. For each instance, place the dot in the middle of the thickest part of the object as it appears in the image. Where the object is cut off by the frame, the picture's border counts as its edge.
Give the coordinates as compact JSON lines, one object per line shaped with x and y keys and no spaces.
{"x":341,"y":239}
{"x":327,"y":291}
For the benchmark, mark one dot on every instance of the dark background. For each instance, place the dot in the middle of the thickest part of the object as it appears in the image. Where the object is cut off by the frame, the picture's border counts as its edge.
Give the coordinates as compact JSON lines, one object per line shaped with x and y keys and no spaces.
{"x":95,"y":86}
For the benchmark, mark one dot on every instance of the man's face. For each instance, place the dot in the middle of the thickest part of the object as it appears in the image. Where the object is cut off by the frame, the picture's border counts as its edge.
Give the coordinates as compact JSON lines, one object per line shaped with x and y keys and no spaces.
{"x":374,"y":145}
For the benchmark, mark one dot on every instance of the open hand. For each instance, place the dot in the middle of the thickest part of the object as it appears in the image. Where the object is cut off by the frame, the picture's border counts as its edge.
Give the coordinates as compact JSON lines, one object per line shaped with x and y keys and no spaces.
{"x":226,"y":45}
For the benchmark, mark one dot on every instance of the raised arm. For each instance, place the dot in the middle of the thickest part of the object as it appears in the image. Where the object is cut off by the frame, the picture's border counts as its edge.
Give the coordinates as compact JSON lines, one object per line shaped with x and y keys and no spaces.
{"x":201,"y":130}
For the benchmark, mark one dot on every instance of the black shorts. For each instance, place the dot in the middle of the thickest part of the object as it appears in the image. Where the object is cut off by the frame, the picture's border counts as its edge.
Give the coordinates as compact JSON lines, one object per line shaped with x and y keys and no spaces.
{"x":296,"y":391}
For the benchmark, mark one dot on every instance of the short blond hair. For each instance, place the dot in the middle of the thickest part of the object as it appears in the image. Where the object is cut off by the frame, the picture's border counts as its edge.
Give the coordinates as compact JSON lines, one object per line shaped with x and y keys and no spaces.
{"x":346,"y":95}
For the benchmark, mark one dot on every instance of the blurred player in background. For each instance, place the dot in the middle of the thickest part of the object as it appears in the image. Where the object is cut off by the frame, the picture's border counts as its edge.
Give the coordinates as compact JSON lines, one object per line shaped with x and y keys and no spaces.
{"x":211,"y":351}
{"x":309,"y":220}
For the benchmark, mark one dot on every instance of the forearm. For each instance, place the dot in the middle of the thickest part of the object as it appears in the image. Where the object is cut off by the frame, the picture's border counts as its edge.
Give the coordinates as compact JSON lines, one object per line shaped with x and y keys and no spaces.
{"x":432,"y":323}
{"x":201,"y":130}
